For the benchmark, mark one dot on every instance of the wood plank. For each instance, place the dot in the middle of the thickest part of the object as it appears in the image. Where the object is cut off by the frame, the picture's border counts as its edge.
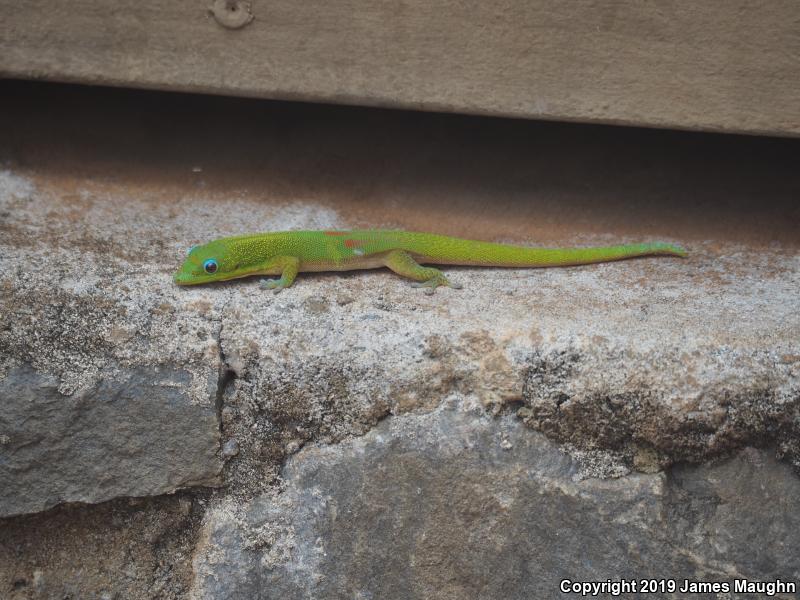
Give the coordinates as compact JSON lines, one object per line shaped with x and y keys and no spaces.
{"x":726,"y":66}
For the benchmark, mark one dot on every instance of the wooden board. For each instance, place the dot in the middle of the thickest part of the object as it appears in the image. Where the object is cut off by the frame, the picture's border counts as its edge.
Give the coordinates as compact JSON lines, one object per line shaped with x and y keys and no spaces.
{"x":726,"y":66}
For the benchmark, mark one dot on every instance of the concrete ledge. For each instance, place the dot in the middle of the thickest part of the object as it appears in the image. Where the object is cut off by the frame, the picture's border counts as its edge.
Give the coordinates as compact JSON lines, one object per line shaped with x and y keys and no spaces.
{"x":710,"y":66}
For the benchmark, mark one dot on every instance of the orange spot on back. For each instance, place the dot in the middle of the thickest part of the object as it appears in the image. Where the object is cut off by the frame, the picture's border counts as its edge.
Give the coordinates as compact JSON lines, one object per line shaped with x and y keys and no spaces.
{"x":353,"y":243}
{"x":334,"y":232}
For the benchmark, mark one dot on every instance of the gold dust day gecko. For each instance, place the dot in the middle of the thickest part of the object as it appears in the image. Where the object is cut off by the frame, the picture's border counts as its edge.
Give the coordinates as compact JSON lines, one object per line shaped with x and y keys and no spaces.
{"x":288,"y":253}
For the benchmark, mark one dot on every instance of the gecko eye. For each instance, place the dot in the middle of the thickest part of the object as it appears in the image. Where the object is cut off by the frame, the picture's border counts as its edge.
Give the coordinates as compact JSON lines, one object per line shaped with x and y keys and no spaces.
{"x":190,"y":250}
{"x":210,"y":266}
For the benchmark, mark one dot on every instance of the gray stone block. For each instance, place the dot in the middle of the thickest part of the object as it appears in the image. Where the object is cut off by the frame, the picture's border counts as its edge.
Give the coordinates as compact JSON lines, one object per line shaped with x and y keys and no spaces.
{"x":136,"y":434}
{"x":453,"y":504}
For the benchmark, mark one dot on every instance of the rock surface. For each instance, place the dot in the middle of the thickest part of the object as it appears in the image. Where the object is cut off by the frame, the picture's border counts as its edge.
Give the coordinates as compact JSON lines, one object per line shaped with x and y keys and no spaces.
{"x":130,"y":548}
{"x":453,"y":504}
{"x":106,"y":392}
{"x":135,"y":435}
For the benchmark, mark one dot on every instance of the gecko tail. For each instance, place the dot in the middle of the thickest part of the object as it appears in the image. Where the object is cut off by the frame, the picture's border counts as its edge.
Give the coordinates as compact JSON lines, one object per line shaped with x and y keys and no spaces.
{"x":581,"y":256}
{"x":454,"y":251}
{"x":624,"y":251}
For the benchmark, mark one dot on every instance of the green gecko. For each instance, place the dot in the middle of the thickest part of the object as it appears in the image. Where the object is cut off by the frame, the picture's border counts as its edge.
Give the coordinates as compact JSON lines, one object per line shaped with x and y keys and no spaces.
{"x":289,"y":252}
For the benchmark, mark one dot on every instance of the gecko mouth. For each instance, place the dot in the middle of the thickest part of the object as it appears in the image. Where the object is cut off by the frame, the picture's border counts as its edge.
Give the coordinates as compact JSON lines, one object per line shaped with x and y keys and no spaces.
{"x":182,"y":278}
{"x":189,"y":279}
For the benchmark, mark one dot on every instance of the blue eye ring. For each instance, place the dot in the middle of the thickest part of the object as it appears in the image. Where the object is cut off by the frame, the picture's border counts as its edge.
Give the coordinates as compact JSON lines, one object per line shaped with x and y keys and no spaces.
{"x":210,"y":266}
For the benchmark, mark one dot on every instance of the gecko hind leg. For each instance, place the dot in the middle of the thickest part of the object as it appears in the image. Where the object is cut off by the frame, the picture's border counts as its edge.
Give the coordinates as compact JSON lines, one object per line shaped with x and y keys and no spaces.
{"x":402,"y":263}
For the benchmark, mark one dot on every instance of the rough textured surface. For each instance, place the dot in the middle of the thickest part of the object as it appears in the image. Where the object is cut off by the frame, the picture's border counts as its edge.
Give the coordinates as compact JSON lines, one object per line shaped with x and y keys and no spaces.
{"x":453,"y":504}
{"x":134,"y":435}
{"x":731,"y":66}
{"x":127,"y":549}
{"x":668,"y":387}
{"x":661,"y":407}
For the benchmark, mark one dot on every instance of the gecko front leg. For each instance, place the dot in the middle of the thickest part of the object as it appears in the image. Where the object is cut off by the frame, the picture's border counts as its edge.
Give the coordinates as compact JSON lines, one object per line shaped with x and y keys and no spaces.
{"x":287,"y":266}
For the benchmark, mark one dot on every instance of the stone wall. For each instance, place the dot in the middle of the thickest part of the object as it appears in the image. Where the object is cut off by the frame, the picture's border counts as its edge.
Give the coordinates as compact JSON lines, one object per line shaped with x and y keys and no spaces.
{"x":352,"y":437}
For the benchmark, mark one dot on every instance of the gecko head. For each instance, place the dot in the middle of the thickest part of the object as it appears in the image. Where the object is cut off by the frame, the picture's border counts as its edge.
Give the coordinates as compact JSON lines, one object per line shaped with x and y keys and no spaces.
{"x":210,"y":262}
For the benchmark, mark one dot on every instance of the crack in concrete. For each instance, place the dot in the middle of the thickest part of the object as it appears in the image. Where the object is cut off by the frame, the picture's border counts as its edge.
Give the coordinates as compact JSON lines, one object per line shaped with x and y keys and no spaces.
{"x":225,"y":374}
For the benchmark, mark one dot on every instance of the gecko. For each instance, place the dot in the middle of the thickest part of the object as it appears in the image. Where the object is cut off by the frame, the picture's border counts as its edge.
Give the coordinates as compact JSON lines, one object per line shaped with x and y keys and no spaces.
{"x":407,"y":253}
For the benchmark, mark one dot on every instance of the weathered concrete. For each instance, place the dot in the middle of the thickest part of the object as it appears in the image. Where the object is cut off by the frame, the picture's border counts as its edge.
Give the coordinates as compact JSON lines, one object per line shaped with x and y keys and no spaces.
{"x":453,"y":504}
{"x":662,"y":385}
{"x":732,"y":66}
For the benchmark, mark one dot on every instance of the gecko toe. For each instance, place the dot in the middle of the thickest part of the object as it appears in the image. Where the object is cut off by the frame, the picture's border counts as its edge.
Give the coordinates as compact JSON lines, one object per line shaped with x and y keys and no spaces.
{"x":427,"y":287}
{"x":271,"y":284}
{"x":431,"y":284}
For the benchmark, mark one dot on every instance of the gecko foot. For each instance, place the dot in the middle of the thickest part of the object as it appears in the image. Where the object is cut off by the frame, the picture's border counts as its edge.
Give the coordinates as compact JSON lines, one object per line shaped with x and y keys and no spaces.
{"x":276,"y":285}
{"x":431,"y":284}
